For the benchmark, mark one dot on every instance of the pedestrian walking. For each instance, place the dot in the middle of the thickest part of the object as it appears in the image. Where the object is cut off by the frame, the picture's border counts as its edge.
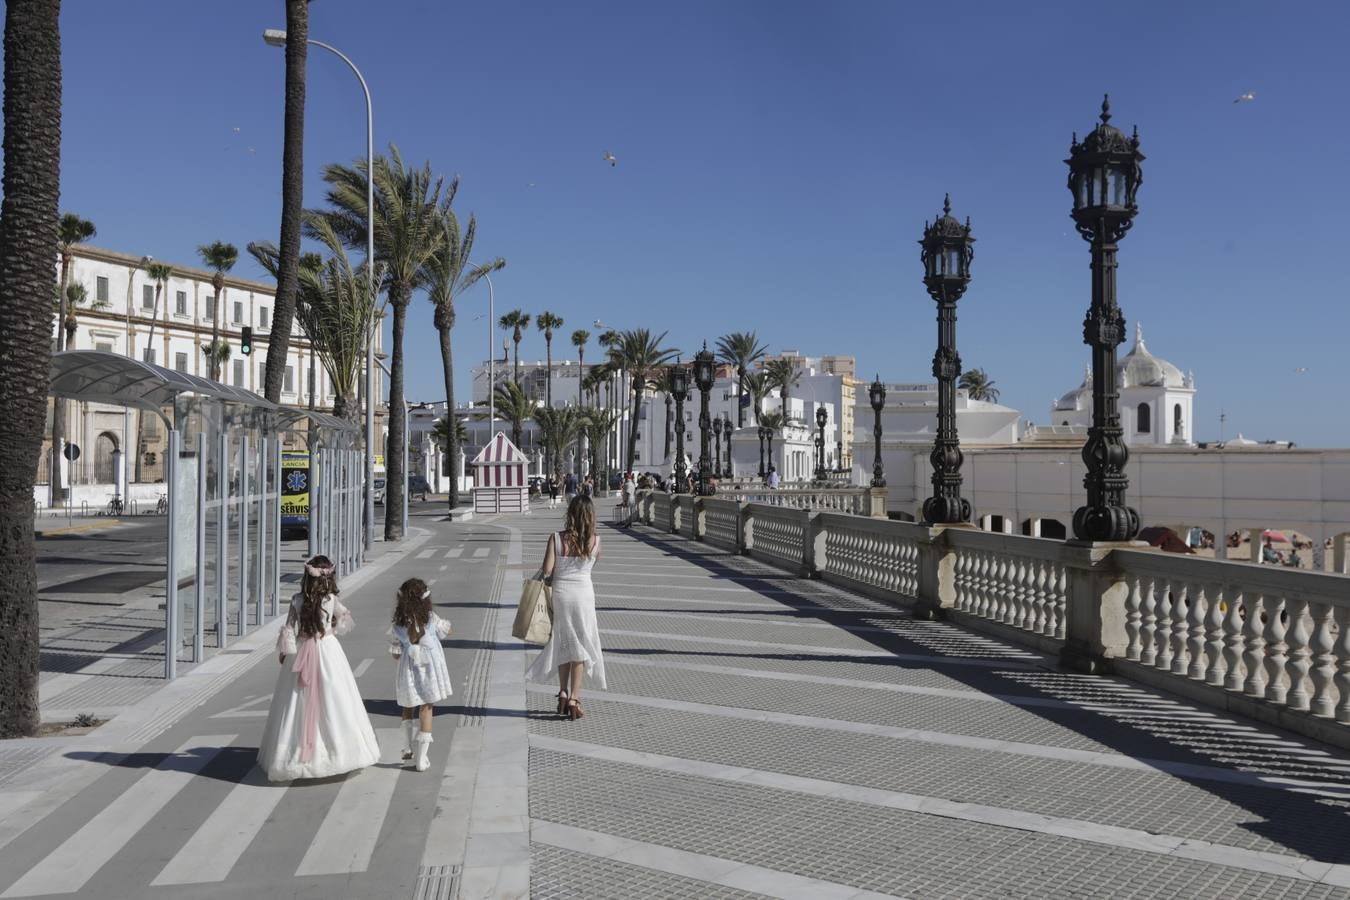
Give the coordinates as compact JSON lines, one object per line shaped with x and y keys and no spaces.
{"x":627,"y":497}
{"x":553,"y":492}
{"x":317,"y":724}
{"x":773,"y":478}
{"x":570,"y":486}
{"x":422,"y":679}
{"x":587,"y":488}
{"x":572,"y":653}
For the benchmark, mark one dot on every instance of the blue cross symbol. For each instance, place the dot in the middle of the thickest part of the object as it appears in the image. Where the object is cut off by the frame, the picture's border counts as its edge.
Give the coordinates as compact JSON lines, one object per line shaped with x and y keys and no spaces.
{"x":296,"y":481}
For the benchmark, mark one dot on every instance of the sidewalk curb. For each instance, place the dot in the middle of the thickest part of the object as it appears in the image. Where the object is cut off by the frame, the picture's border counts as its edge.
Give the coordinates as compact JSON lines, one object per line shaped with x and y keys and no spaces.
{"x":77,"y":529}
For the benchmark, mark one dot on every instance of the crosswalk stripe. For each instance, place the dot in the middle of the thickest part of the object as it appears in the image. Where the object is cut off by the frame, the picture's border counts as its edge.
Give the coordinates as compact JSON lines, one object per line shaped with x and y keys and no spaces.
{"x":481,"y":552}
{"x":427,"y":554}
{"x":211,"y":853}
{"x":70,"y":866}
{"x":455,"y":553}
{"x":347,"y":837}
{"x":361,"y":668}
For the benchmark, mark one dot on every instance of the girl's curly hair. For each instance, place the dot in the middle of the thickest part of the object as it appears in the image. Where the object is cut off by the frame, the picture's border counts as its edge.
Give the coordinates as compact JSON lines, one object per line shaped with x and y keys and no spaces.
{"x":318,"y":583}
{"x":412,"y":608}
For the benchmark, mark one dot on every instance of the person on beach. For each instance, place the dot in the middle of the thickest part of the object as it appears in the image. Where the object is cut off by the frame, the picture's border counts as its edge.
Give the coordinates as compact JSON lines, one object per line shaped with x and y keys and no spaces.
{"x":572,"y":653}
{"x":317,"y":725}
{"x":422,"y":679}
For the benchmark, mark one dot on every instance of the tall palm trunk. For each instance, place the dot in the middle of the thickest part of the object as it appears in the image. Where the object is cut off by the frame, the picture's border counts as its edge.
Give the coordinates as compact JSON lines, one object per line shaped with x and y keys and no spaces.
{"x":56,"y":490}
{"x":218,"y":283}
{"x":515,"y":367}
{"x":28,"y":244}
{"x":740,"y":389}
{"x":394,"y":498}
{"x":548,"y":376}
{"x":631,"y":454}
{"x":292,"y":198}
{"x":447,"y":363}
{"x":784,"y":395}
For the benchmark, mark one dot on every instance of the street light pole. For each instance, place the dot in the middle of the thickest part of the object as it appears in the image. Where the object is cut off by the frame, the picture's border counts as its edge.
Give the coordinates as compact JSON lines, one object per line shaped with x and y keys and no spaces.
{"x":704,"y":372}
{"x":821,"y":418}
{"x":679,"y":389}
{"x":277,"y":38}
{"x":877,"y":394}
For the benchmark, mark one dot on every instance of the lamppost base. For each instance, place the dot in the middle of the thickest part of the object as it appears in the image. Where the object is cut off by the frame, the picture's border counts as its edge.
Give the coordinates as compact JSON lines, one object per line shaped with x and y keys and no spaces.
{"x":1105,"y":523}
{"x":946,"y":510}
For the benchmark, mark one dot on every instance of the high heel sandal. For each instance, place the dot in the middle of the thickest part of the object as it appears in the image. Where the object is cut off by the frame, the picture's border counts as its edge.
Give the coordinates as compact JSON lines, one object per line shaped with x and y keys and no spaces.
{"x":574,"y":709}
{"x":562,"y":703}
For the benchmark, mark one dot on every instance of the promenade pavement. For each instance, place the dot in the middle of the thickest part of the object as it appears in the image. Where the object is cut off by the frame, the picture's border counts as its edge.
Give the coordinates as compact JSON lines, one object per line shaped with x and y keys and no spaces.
{"x":761,"y":736}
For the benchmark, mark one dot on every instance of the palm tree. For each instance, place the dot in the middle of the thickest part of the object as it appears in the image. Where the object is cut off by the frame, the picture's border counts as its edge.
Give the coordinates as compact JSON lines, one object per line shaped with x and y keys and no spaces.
{"x":217,"y":354}
{"x":547,"y":322}
{"x":590,"y":384}
{"x":614,"y":369}
{"x":514,"y":407}
{"x":558,"y":428}
{"x":159,"y":273}
{"x":645,"y":360}
{"x":773,"y":420}
{"x":292,"y":201}
{"x":515,"y":322}
{"x":71,"y":230}
{"x":31,"y":240}
{"x":978,"y":385}
{"x":220,"y":257}
{"x":76,"y":296}
{"x":757,"y":383}
{"x":445,"y":438}
{"x":741,"y":349}
{"x":448,"y":274}
{"x":579,"y":339}
{"x":408,"y":233}
{"x":784,"y":373}
{"x":597,"y":424}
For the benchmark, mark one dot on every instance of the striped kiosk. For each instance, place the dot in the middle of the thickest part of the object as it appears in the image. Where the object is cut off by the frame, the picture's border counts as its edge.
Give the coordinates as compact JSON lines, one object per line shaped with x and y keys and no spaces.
{"x":499,"y":478}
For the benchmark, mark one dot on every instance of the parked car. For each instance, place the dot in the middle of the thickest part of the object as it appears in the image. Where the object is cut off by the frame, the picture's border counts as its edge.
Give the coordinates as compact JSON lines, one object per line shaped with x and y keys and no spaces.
{"x":378,"y":490}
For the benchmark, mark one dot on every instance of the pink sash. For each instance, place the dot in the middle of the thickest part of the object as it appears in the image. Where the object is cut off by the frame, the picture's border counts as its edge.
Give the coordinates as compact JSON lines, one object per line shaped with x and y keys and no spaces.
{"x":307,"y":668}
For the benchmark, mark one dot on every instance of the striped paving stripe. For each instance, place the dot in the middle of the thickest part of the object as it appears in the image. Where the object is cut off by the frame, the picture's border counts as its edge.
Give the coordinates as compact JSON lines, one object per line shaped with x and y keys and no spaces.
{"x":347,"y":837}
{"x":481,"y":552}
{"x":455,"y":553}
{"x":361,"y":667}
{"x":70,"y":866}
{"x":429,"y":552}
{"x":1282,"y":865}
{"x":213,"y":850}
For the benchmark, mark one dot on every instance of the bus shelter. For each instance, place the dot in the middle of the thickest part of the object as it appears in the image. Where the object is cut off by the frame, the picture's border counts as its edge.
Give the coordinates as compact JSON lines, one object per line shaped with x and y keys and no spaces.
{"x":222,"y":570}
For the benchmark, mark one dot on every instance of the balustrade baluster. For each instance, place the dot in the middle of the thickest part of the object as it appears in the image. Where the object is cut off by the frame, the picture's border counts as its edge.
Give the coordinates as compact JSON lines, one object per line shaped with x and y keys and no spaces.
{"x":1060,"y":605}
{"x":1196,"y":595}
{"x":1148,"y":619}
{"x":999,"y":583}
{"x":1323,"y":672}
{"x":1039,"y":599}
{"x":1133,"y":602}
{"x":1162,"y":602}
{"x":1214,"y":610}
{"x":1232,"y":637}
{"x":1343,"y":664}
{"x":979,"y":584}
{"x":1017,"y":592}
{"x":1275,"y":649}
{"x":1254,"y":628}
{"x":1299,"y":654}
{"x":1181,"y":606}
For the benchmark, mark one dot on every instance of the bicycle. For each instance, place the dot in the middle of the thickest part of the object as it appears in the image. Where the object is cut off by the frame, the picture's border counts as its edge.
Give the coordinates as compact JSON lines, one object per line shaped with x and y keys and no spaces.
{"x":114,"y":507}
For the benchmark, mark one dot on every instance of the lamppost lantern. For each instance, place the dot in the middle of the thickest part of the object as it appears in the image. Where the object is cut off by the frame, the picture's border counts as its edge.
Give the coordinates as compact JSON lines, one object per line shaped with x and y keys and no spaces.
{"x":1104,"y":177}
{"x":877,"y":394}
{"x":947,"y":250}
{"x":705,"y":365}
{"x":679,"y":389}
{"x":821,"y":418}
{"x":679,"y":381}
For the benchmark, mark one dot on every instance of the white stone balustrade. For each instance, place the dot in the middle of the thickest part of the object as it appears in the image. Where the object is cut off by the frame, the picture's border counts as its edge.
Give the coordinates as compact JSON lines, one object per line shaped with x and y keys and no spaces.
{"x":1268,"y":642}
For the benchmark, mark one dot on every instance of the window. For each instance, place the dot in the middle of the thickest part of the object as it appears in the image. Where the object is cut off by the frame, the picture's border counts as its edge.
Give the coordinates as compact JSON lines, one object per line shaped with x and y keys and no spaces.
{"x":211,"y":307}
{"x":180,"y":362}
{"x":1176,"y":421}
{"x":238,"y":313}
{"x":101,"y":289}
{"x":180,"y":303}
{"x":264,"y":317}
{"x":1143,"y":425}
{"x":239,"y":373}
{"x":104,"y":346}
{"x":147,"y":296}
{"x":289,"y":384}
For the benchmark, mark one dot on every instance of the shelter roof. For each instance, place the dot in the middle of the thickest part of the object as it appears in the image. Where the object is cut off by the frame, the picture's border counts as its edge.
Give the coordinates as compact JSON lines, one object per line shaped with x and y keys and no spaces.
{"x":500,"y":452}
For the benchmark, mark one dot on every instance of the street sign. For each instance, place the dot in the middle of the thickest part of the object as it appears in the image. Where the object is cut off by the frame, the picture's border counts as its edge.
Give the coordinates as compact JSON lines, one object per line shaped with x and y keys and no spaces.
{"x":72,"y":452}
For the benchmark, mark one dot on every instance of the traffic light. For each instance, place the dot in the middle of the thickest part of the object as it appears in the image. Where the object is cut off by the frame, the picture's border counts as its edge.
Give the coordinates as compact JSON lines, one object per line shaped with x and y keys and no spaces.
{"x":246,"y":341}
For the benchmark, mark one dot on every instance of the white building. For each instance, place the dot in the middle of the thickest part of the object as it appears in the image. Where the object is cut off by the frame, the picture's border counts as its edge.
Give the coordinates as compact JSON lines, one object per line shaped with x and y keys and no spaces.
{"x":123,"y":315}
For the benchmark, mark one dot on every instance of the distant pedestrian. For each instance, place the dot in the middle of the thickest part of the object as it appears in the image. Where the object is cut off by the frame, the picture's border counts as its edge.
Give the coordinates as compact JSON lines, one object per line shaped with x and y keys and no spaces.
{"x":570,"y":486}
{"x":422,"y":679}
{"x":317,"y":725}
{"x":553,"y":488}
{"x":573,"y":649}
{"x":588,"y":487}
{"x":773,"y":478}
{"x":627,"y":498}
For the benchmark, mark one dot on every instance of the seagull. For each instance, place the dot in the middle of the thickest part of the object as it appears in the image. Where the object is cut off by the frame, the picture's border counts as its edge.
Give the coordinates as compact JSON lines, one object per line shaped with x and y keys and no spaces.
{"x":609,"y":158}
{"x":1246,"y":98}
{"x":1300,"y":370}
{"x":236,"y":129}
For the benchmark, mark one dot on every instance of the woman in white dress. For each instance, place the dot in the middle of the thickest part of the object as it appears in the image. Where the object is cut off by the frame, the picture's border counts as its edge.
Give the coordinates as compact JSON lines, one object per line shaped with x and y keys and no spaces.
{"x":317,"y":725}
{"x":573,"y":650}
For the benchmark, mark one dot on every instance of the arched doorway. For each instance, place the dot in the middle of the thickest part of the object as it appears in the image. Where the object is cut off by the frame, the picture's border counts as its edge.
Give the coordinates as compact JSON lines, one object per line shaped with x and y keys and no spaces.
{"x":104,"y":448}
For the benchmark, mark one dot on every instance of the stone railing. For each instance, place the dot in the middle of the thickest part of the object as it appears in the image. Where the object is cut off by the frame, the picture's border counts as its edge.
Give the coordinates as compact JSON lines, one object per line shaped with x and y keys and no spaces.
{"x":853,"y":500}
{"x":1268,"y":642}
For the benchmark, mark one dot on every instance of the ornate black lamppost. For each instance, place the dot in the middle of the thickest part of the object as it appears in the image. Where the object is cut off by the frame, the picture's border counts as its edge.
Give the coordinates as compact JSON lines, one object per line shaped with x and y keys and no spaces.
{"x":761,"y":430}
{"x":728,"y":428}
{"x":947,"y":252}
{"x":705,"y":365}
{"x":877,"y":394}
{"x":679,"y":389}
{"x":768,"y":451}
{"x":821,"y":418}
{"x":717,"y":446}
{"x":1104,"y":174}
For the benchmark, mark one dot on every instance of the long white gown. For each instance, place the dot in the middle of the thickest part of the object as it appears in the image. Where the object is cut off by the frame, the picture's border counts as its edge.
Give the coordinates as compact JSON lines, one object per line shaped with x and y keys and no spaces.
{"x":576,"y":637}
{"x":316,"y":698}
{"x":422,"y":675}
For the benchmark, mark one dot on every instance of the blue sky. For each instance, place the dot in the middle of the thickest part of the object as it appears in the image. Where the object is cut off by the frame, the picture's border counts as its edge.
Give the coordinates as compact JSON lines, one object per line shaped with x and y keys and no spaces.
{"x":776,"y":161}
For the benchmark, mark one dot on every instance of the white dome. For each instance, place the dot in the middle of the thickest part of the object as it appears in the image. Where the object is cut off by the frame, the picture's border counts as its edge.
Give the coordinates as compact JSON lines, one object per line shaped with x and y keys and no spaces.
{"x":1140,"y":368}
{"x":1069,"y":401}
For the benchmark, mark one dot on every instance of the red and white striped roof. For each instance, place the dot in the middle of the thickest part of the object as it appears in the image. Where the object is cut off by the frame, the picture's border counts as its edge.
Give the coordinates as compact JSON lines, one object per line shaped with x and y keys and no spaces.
{"x":500,"y":452}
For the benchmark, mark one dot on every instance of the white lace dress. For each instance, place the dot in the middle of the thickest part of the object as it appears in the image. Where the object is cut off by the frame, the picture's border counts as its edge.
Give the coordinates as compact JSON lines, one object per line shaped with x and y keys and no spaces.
{"x":575,"y":638}
{"x":422,"y":675}
{"x":317,"y":725}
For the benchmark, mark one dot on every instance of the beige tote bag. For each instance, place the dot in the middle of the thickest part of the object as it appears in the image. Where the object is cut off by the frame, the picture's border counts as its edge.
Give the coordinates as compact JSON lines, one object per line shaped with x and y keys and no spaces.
{"x":534,"y":616}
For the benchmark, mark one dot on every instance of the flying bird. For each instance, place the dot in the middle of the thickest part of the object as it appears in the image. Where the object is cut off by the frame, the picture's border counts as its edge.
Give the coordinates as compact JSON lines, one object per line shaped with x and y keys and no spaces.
{"x":1300,"y":370}
{"x":236,"y":129}
{"x":609,"y":158}
{"x":1246,"y":98}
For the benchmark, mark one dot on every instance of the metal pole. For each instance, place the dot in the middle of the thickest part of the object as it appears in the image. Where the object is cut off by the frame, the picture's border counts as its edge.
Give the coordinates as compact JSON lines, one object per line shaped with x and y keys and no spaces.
{"x":276,"y":532}
{"x":223,"y":539}
{"x":198,"y":635}
{"x":244,"y":496}
{"x":407,"y":423}
{"x":171,"y":637}
{"x":262,"y":534}
{"x":492,"y":362}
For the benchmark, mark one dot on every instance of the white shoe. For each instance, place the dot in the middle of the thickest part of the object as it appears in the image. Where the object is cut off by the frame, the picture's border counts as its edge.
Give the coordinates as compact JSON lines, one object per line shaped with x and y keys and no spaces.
{"x":409,"y":731}
{"x":423,"y":748}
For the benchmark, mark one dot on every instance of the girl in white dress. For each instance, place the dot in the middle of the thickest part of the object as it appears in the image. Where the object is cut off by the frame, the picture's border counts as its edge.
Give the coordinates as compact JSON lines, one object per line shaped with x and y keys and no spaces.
{"x":423,"y":679}
{"x":573,"y":649}
{"x":317,"y":725}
